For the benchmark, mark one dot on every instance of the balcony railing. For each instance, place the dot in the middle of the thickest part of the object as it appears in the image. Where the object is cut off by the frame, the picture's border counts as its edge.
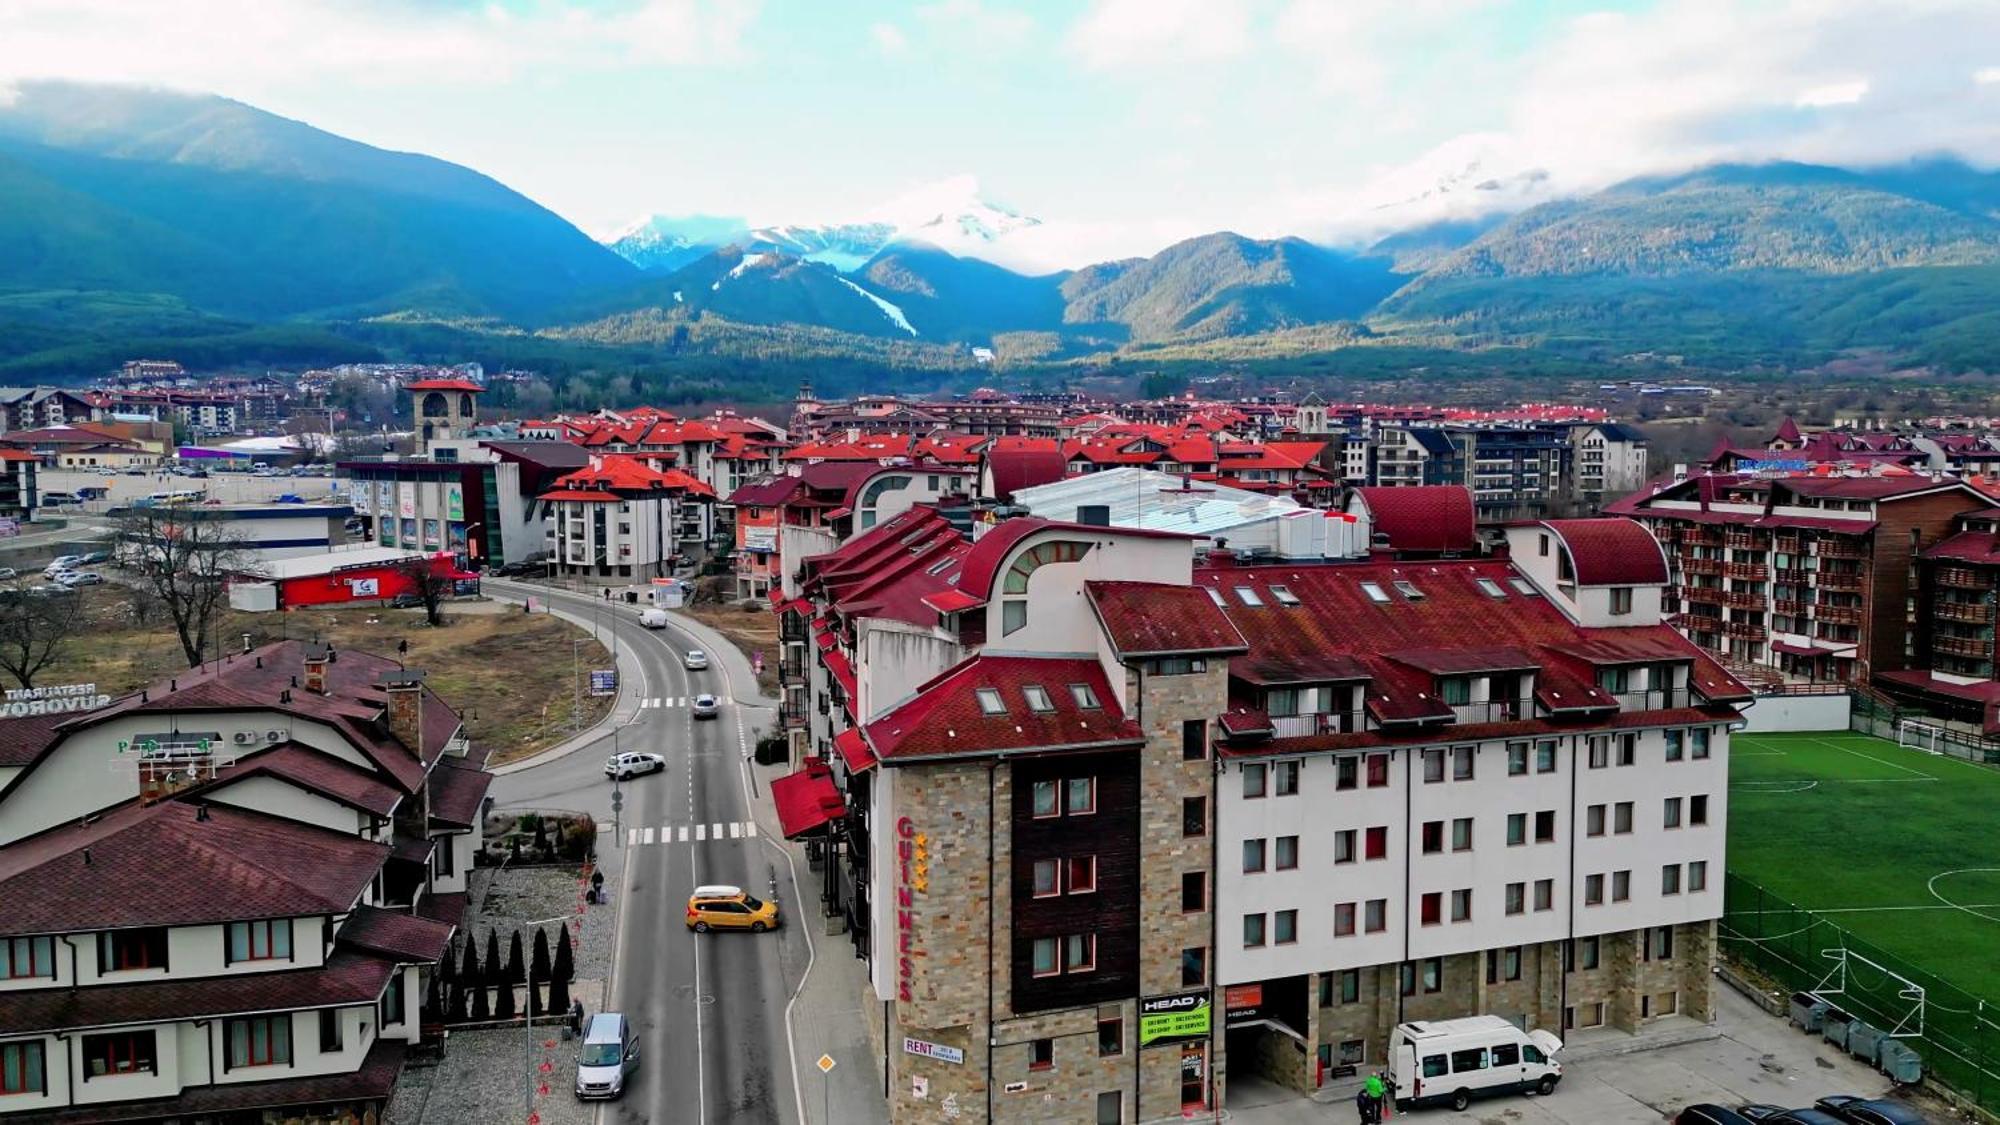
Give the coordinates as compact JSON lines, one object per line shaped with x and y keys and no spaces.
{"x":1738,"y":599}
{"x":1840,"y":548}
{"x":1704,"y":595}
{"x":1978,"y":648}
{"x":1788,"y":544}
{"x":1961,"y":578}
{"x":1978,"y":613}
{"x":1696,"y":623}
{"x":1742,"y":540}
{"x":1789,"y":607}
{"x":1754,"y":572}
{"x":1745,"y":630}
{"x":1837,"y":614}
{"x":1839,"y":580}
{"x":1712,"y":567}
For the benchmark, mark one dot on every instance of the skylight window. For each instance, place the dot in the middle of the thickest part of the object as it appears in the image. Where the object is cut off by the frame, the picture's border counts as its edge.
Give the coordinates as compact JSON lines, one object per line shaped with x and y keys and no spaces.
{"x":1490,"y":588}
{"x":1284,"y":595}
{"x":1409,"y":590}
{"x":1248,"y":596}
{"x":1215,"y":596}
{"x":990,"y":702}
{"x":1375,"y":592}
{"x":1084,"y":696}
{"x":1523,"y":586}
{"x":1038,"y":698}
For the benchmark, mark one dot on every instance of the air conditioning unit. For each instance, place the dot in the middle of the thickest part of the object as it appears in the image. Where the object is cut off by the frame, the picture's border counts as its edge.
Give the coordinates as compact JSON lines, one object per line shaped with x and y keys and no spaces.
{"x":274,"y":736}
{"x":244,"y":736}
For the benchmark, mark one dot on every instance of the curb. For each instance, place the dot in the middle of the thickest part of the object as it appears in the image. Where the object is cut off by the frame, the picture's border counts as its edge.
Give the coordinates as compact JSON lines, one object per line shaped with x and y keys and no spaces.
{"x":619,"y":715}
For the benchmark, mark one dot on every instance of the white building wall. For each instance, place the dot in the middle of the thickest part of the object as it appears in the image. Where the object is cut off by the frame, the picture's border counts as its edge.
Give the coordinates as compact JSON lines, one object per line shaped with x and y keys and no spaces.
{"x":898,"y":657}
{"x":280,"y":798}
{"x":1059,"y":617}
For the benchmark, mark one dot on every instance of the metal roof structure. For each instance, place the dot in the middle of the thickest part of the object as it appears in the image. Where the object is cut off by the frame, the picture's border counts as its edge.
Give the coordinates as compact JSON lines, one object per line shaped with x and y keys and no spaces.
{"x":1154,"y":501}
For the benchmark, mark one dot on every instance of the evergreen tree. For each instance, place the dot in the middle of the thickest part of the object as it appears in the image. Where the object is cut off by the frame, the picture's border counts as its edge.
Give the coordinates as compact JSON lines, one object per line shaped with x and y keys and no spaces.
{"x":503,"y":1007}
{"x":480,"y":1011}
{"x":517,"y":971}
{"x":565,"y":966}
{"x":468,"y":969}
{"x":538,"y":969}
{"x":496,"y":969}
{"x":457,"y":1014}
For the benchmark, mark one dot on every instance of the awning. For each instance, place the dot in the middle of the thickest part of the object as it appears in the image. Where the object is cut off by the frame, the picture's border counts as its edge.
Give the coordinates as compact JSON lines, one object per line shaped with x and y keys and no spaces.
{"x":952,"y":601}
{"x":838,"y":513}
{"x":807,"y":801}
{"x":854,"y":750}
{"x":1243,"y":721}
{"x":824,"y":641}
{"x":841,"y":670}
{"x":1799,"y":650}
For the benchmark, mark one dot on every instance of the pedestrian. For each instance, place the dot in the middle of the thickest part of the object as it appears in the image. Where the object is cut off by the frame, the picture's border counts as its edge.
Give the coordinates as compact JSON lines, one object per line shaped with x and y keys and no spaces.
{"x":1365,"y":1103}
{"x":1384,"y":1104}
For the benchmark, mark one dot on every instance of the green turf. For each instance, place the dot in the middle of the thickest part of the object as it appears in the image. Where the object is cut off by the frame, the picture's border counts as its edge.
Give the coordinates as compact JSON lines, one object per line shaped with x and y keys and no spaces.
{"x":1847,"y":825}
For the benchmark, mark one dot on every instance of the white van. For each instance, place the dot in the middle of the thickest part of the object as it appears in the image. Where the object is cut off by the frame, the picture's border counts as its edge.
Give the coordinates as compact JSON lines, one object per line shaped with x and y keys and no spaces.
{"x":1454,"y":1061}
{"x":653,"y":618}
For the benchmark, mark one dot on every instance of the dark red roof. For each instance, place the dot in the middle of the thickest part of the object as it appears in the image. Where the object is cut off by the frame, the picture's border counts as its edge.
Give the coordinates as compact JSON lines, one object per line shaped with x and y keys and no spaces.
{"x":160,"y":865}
{"x":853,"y":749}
{"x":1969,"y":547}
{"x":981,"y":566}
{"x":318,"y":772}
{"x":1611,"y":552}
{"x":443,"y":385}
{"x":767,"y":493}
{"x":396,"y":935}
{"x":1788,"y":431}
{"x":373,"y":1080}
{"x":348,"y":977}
{"x":1153,"y":619}
{"x":1018,"y":463}
{"x":457,"y":791}
{"x":806,"y":800}
{"x":945,"y":716}
{"x":1415,"y":736}
{"x":1422,"y":518}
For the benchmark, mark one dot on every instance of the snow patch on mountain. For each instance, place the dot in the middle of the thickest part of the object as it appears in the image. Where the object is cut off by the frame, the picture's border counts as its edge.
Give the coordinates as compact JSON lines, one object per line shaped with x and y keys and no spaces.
{"x":749,"y":262}
{"x":890,"y":310}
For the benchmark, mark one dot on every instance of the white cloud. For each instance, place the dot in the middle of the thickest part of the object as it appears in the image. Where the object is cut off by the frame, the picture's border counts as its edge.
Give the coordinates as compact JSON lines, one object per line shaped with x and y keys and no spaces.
{"x":889,"y":39}
{"x":1116,"y":34}
{"x":1987,"y":75}
{"x":974,"y":26}
{"x":1840,"y":93}
{"x":248,"y":48}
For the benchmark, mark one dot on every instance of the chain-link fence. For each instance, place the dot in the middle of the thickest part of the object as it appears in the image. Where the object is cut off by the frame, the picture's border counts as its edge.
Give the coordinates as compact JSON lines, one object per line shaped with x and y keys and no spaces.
{"x":1874,"y":715}
{"x":1954,"y":1031}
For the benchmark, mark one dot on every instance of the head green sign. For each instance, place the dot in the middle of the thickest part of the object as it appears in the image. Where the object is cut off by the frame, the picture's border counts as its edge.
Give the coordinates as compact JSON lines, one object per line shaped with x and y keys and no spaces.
{"x":1174,"y":1019}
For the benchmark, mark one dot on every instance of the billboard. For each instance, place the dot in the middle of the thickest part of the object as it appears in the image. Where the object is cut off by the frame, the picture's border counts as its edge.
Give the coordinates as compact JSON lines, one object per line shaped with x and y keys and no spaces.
{"x":454,"y":502}
{"x":1174,"y":1019}
{"x":407,"y":500}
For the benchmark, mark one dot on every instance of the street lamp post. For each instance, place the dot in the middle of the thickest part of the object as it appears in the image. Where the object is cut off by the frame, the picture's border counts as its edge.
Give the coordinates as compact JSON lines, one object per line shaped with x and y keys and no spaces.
{"x":528,"y":1033}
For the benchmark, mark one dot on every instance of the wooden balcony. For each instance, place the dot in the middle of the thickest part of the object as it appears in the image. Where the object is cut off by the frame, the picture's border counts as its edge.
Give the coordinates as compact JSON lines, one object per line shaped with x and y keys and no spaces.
{"x":1736,"y":599}
{"x":1789,"y":544}
{"x":1754,"y":572}
{"x":1697,"y":623}
{"x":1746,"y":630}
{"x":1837,"y":614}
{"x":1703,"y":595}
{"x":1711,"y":567}
{"x":1839,"y":580}
{"x":1743,"y":540}
{"x":1841,"y":547}
{"x":1789,"y":607}
{"x":1964,"y":578}
{"x":1978,"y":648}
{"x":1976,"y":613}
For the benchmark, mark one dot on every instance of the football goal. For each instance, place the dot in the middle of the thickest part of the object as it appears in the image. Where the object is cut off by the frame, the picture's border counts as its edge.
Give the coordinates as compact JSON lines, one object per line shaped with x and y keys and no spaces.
{"x":1917,"y":735}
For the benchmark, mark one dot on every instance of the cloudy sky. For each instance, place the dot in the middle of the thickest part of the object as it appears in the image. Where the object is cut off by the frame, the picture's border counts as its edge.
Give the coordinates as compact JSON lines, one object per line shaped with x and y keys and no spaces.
{"x":1122,"y":123}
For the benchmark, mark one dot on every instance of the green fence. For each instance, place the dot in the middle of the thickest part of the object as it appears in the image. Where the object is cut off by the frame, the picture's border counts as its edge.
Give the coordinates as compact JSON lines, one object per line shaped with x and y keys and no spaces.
{"x":1954,"y":1031}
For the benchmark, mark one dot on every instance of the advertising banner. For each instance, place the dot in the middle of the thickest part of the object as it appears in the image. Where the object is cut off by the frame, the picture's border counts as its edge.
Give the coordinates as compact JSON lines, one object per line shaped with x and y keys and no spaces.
{"x":1173,"y":1019}
{"x":604,"y":681}
{"x":433,"y":534}
{"x":366,"y":587}
{"x":407,"y":500}
{"x":454,"y":502}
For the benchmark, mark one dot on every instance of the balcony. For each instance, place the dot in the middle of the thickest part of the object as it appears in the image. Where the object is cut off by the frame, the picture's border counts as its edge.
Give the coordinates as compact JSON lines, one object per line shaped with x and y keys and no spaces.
{"x":1710,"y":567}
{"x":1839,"y":580}
{"x":1833,"y":614}
{"x":1962,"y":578}
{"x":1735,"y":599}
{"x":1742,"y":541}
{"x":1788,"y":544}
{"x":1841,"y":547}
{"x":1704,"y":595}
{"x":1752,"y":572}
{"x":1697,"y":623}
{"x":1976,"y":613}
{"x":1978,"y":648}
{"x":1745,"y":630}
{"x":1703,"y":536}
{"x":1788,"y":607}
{"x":1323,"y":722}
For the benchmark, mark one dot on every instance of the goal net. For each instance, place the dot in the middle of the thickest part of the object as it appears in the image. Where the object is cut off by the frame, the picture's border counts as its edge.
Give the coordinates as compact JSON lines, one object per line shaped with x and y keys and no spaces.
{"x":1860,"y":986}
{"x":1928,"y":737}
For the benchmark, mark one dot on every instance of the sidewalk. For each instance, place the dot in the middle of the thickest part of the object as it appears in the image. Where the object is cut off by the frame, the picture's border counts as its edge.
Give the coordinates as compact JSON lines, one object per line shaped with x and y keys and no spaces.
{"x":722,"y":648}
{"x":623,"y":711}
{"x":826,"y":1016}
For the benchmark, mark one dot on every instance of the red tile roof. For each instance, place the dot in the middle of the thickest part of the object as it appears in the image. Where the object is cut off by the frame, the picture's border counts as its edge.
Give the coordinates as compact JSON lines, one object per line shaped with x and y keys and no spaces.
{"x":1611,"y":552}
{"x":806,"y":800}
{"x":853,"y":749}
{"x":443,"y":385}
{"x":348,"y":977}
{"x":945,"y":716}
{"x":1423,"y":518}
{"x":316,"y":771}
{"x":373,"y":1080}
{"x":160,"y":865}
{"x":1018,"y":463}
{"x":1154,"y":619}
{"x":457,"y":791}
{"x":395,"y":934}
{"x":1968,"y":546}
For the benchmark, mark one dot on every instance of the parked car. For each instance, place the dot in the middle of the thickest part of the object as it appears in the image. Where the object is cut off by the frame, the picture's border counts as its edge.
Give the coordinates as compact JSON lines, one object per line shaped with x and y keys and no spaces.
{"x":199,"y":473}
{"x":1760,"y":1111}
{"x":1706,"y":1114}
{"x":406,"y":601}
{"x":59,"y":499}
{"x":609,"y":1055}
{"x":695,"y":660}
{"x":1803,"y":1117}
{"x":729,"y":908}
{"x":48,"y":590}
{"x":706,"y":707}
{"x":62,"y":563}
{"x":1869,"y":1111}
{"x":137,"y":471}
{"x":92,"y":558}
{"x":518,"y":569}
{"x":8,"y":574}
{"x":1453,"y":1061}
{"x":633,"y":763}
{"x":653,"y":618}
{"x":76,"y":578}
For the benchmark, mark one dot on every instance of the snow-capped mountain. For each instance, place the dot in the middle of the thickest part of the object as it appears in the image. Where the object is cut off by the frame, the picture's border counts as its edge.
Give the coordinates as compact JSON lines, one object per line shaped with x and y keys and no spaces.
{"x":949,"y":214}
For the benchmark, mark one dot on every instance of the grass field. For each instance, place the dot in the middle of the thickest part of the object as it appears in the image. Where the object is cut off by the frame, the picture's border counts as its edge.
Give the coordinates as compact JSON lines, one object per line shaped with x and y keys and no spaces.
{"x":1895,"y":845}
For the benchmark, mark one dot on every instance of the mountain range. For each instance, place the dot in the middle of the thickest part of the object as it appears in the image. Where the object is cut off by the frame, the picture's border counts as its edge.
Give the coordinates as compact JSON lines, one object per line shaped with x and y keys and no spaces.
{"x":132,"y":217}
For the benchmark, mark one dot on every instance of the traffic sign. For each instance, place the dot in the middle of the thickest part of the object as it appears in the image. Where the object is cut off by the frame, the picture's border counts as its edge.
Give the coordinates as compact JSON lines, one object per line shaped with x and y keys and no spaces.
{"x":826,"y":1064}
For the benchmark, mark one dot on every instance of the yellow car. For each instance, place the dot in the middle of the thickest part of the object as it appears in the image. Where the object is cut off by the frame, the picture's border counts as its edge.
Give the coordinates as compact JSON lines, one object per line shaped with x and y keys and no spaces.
{"x":729,"y":908}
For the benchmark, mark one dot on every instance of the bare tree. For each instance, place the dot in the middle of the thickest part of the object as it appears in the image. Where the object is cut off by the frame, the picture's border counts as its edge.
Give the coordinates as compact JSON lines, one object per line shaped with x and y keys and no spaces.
{"x":182,"y":558}
{"x":430,"y":579}
{"x":33,"y":630}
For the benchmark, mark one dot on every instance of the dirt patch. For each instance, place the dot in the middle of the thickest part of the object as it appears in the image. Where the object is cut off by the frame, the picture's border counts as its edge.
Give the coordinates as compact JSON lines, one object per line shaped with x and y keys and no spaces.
{"x":520,"y":680}
{"x":752,"y":628}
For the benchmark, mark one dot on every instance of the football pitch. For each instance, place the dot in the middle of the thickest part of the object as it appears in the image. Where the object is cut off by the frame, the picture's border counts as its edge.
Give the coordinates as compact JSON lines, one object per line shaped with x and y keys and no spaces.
{"x":1899,"y":847}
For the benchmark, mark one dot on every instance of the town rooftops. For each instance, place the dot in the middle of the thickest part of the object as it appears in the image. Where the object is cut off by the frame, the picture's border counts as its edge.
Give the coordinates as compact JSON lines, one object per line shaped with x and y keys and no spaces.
{"x":1156,"y":619}
{"x":395,"y":934}
{"x":466,"y":385}
{"x":1611,"y":552}
{"x":180,"y":863}
{"x":996,"y":704}
{"x":1429,"y":519}
{"x":1969,"y":547}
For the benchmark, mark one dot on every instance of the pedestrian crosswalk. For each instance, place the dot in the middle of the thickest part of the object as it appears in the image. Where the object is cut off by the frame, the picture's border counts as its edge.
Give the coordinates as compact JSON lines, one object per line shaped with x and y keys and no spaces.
{"x":648,"y":836}
{"x":672,"y":701}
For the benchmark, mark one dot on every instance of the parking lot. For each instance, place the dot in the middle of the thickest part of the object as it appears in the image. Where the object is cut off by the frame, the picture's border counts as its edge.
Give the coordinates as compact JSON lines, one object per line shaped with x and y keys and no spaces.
{"x":228,"y":487}
{"x":1756,"y":1058}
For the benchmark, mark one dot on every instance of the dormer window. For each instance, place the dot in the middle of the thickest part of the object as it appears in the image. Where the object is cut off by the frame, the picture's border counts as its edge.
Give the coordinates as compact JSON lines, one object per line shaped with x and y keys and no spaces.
{"x":1248,"y":596}
{"x":1490,"y":588}
{"x":1284,"y":595}
{"x":1084,"y":696}
{"x":126,"y":950}
{"x":990,"y":702}
{"x":1621,"y":599}
{"x":1523,"y":587}
{"x":1409,"y":590}
{"x":1375,"y":593}
{"x":1038,"y":698}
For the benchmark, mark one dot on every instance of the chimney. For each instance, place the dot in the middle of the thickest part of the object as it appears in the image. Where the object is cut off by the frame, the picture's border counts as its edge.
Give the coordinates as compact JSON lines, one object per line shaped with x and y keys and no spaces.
{"x":404,"y":714}
{"x":317,"y":657}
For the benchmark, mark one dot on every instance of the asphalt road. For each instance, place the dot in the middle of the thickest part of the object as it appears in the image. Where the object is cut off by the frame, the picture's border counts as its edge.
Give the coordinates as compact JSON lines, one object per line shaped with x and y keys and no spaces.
{"x":709,"y":1008}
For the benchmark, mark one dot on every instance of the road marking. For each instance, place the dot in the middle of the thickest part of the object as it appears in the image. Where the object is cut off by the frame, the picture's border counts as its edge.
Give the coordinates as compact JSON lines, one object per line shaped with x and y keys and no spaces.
{"x":701,"y":831}
{"x":631,"y":837}
{"x":647,"y":837}
{"x":684,"y":833}
{"x":750,"y":828}
{"x":735,"y":830}
{"x":717,"y":829}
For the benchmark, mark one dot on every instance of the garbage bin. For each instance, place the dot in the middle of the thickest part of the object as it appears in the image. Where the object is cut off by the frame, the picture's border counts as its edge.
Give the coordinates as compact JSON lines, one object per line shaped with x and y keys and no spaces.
{"x":1836,"y":1027}
{"x":1808,"y":1011}
{"x":1902,"y":1063}
{"x":1864,"y":1041}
